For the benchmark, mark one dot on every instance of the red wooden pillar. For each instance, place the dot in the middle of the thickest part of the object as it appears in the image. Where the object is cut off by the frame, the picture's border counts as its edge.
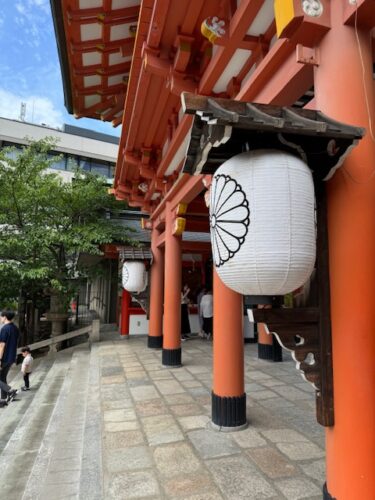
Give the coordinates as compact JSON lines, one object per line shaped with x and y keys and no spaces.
{"x":155,"y":337}
{"x":268,"y":346}
{"x":340,"y":87}
{"x":125,"y":317}
{"x":228,"y":392}
{"x":172,"y":294}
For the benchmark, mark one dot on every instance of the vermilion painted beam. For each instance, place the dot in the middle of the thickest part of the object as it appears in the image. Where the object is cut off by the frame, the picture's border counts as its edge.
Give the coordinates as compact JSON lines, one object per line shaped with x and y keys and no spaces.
{"x":97,"y":69}
{"x":283,"y":87}
{"x":242,"y":19}
{"x":266,"y":70}
{"x":94,"y":14}
{"x":158,"y":20}
{"x":190,"y":190}
{"x":143,"y":83}
{"x":179,"y":135}
{"x":365,"y":13}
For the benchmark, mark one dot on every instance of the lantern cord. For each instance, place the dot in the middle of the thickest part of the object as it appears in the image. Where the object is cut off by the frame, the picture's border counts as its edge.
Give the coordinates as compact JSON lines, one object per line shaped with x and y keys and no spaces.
{"x":293,"y":146}
{"x":363,"y":71}
{"x":372,"y":135}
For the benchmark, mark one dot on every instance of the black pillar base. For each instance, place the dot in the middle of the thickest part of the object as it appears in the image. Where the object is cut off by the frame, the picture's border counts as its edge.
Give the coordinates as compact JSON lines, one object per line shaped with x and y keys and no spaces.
{"x":171,"y":357}
{"x":271,"y":352}
{"x":155,"y":342}
{"x":326,"y":495}
{"x":229,"y":412}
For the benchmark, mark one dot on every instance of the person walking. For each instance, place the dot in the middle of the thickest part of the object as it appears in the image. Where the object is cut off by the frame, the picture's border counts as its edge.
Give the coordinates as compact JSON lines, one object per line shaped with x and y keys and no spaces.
{"x":8,"y":347}
{"x":26,"y":368}
{"x":185,"y":323}
{"x":207,"y":312}
{"x":200,"y":317}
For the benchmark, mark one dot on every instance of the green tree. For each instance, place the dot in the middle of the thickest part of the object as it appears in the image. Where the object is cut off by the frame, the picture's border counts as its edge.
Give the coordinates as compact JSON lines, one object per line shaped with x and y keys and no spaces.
{"x":45,"y":223}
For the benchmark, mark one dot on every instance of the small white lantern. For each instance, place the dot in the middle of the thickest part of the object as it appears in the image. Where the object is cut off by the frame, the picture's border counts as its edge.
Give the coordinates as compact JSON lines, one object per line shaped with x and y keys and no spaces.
{"x":134,"y":276}
{"x":262,"y":219}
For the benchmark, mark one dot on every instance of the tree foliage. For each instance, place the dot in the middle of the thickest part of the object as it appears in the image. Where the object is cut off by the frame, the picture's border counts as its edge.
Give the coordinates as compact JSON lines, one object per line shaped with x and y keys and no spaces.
{"x":46,"y":222}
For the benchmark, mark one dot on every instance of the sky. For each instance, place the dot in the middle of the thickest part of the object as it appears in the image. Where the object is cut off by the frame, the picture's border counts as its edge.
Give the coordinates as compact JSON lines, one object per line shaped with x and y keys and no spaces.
{"x":30,"y":70}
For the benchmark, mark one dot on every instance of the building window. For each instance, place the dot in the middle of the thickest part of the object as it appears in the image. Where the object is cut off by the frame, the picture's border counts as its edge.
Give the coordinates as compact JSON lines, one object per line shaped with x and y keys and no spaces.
{"x":84,"y":163}
{"x":100,"y":167}
{"x":59,"y":162}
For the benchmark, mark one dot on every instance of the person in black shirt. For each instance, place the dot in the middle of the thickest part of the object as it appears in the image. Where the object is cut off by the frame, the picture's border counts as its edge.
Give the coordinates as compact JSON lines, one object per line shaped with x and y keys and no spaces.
{"x":9,"y":335}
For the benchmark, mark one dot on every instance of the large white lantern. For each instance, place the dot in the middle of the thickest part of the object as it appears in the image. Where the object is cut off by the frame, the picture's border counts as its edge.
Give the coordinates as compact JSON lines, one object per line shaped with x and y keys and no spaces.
{"x":262,"y":219}
{"x":134,"y":276}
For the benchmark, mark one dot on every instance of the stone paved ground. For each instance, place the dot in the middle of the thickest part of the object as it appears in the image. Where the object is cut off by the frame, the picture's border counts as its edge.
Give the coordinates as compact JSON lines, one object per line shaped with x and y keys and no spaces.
{"x":156,"y":436}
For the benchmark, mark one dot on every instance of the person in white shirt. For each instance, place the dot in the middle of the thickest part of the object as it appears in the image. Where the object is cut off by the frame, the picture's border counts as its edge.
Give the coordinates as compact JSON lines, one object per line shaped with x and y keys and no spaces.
{"x":27,"y":367}
{"x":206,"y":311}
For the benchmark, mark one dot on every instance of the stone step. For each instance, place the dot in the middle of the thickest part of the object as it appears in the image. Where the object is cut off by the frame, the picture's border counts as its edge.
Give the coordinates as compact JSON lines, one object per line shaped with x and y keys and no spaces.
{"x":91,"y":483}
{"x":20,"y":452}
{"x":57,"y":467}
{"x":12,"y":414}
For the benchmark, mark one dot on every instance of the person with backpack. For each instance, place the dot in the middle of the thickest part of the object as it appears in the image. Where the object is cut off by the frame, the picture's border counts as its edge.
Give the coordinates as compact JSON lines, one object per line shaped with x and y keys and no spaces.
{"x":9,"y":336}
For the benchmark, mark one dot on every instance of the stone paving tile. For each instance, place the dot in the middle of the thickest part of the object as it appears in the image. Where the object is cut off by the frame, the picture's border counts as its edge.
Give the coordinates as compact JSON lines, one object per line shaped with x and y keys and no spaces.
{"x":136,"y":457}
{"x":185,"y":410}
{"x":237,"y":478}
{"x":315,"y":469}
{"x":253,"y":386}
{"x":183,"y":374}
{"x":275,"y":403}
{"x":144,"y":392}
{"x":122,"y":439}
{"x":283,"y":435}
{"x":132,"y":485}
{"x":194,"y":422}
{"x":291,"y":393}
{"x":248,"y":438}
{"x":119,"y":415}
{"x":272,"y":463}
{"x":126,"y":425}
{"x":169,"y":387}
{"x":212,"y":495}
{"x":179,"y":399}
{"x":257,"y":375}
{"x":199,"y":483}
{"x":110,"y":371}
{"x":161,"y":429}
{"x":209,"y":443}
{"x":176,"y":459}
{"x":115,"y":405}
{"x":114,"y":379}
{"x":266,"y":394}
{"x":300,"y":451}
{"x":151,"y":408}
{"x":296,"y":489}
{"x":272,"y":382}
{"x":191,"y":383}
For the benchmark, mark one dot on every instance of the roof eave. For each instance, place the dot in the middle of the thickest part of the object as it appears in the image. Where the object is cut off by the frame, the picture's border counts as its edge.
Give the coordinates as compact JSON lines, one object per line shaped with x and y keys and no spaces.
{"x":58,"y":23}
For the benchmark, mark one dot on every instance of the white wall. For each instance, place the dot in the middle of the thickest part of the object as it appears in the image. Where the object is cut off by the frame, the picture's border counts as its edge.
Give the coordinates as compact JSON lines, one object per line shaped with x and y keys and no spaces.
{"x":19,"y":132}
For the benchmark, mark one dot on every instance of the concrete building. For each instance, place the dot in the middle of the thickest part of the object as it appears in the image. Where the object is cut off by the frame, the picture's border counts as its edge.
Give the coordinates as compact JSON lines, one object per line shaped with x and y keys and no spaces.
{"x":91,"y":151}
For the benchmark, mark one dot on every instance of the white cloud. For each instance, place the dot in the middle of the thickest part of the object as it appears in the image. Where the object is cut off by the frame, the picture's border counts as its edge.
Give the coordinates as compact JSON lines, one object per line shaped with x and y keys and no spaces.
{"x":38,"y":109}
{"x":21,"y":8}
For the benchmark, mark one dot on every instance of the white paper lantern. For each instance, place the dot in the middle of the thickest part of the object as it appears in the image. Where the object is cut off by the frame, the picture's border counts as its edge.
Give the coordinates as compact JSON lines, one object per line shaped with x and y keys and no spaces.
{"x":262,"y":219}
{"x":134,"y":276}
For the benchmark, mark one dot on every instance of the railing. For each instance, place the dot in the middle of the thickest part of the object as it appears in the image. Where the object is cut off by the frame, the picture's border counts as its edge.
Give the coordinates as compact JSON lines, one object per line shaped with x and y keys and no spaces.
{"x":92,"y":330}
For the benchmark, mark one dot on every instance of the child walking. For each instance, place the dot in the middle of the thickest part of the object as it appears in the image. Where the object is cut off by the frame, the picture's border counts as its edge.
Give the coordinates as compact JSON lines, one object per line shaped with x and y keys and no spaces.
{"x":26,"y":368}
